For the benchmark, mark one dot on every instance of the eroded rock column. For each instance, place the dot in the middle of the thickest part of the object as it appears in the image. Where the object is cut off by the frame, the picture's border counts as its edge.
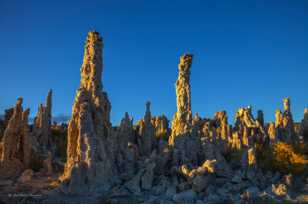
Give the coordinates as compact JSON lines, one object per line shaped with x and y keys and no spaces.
{"x":182,"y":119}
{"x":89,"y":160}
{"x":42,"y":123}
{"x":146,"y":132}
{"x":184,"y":143}
{"x":304,"y":126}
{"x":287,"y":121}
{"x":16,"y":146}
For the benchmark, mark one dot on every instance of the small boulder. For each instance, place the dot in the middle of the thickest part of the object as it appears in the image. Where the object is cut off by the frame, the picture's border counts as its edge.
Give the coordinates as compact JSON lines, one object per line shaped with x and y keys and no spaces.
{"x":279,"y":189}
{"x":199,"y":183}
{"x":209,"y":166}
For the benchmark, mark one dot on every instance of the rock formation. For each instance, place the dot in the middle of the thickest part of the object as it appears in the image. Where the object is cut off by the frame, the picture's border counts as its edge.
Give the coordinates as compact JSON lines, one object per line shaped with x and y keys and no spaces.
{"x":88,"y":158}
{"x":248,"y":129}
{"x":42,"y":122}
{"x":287,"y":121}
{"x":125,"y":150}
{"x":223,"y":130}
{"x":304,"y":126}
{"x":284,"y":123}
{"x":272,"y":133}
{"x":278,"y":119}
{"x":182,"y":119}
{"x":249,"y":159}
{"x":146,"y":132}
{"x":4,"y":122}
{"x":16,"y":143}
{"x":162,"y":132}
{"x":7,"y":116}
{"x":260,"y":117}
{"x":185,"y":145}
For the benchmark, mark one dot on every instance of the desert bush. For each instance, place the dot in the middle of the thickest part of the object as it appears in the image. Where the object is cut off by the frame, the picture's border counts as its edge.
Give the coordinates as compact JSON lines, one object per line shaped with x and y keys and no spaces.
{"x":282,"y":157}
{"x":59,"y":138}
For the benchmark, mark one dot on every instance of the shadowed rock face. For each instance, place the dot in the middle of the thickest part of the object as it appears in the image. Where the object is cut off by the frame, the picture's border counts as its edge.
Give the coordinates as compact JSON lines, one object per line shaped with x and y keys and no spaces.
{"x":88,"y":129}
{"x":304,"y":125}
{"x":284,"y":123}
{"x":146,"y":132}
{"x":288,"y":123}
{"x":42,"y":122}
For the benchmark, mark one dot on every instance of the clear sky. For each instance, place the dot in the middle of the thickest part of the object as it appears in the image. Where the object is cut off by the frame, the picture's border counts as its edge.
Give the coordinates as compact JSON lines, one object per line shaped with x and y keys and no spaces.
{"x":245,"y":53}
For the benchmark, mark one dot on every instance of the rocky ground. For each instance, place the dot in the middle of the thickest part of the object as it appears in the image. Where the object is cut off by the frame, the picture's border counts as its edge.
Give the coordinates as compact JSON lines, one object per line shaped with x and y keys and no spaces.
{"x":39,"y":189}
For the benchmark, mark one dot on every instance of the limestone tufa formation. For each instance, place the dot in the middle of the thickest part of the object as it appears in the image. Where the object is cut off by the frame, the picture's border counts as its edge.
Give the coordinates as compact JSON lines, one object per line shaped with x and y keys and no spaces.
{"x":304,"y":125}
{"x":16,"y":143}
{"x":42,"y":123}
{"x":88,"y":160}
{"x":146,"y":132}
{"x":182,"y":119}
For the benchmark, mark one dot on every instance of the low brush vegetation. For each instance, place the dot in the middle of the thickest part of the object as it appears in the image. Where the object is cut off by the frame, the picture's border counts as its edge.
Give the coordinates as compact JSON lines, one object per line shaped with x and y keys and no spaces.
{"x":59,"y":137}
{"x":284,"y":158}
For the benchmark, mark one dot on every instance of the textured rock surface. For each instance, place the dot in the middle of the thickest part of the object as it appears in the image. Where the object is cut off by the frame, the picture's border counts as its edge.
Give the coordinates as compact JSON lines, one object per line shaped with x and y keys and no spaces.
{"x":185,"y":145}
{"x":89,"y":161}
{"x":146,"y":132}
{"x":16,"y":143}
{"x":247,"y":130}
{"x":182,"y":119}
{"x":272,"y":133}
{"x":42,"y":123}
{"x":304,"y":125}
{"x":287,"y":122}
{"x":125,"y":150}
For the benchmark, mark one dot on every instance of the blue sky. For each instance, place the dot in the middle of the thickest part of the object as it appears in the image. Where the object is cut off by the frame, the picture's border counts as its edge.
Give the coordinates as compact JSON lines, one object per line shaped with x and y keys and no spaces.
{"x":245,"y":53}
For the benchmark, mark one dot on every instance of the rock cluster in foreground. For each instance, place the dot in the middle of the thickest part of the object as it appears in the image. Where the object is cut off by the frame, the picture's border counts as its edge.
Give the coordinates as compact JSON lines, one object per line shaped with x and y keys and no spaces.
{"x":196,"y":160}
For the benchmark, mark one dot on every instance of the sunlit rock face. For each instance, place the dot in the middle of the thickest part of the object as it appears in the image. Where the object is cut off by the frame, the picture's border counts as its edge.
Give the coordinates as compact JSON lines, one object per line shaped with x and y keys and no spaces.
{"x":247,"y":130}
{"x":162,"y":131}
{"x":271,"y":131}
{"x":185,"y":145}
{"x":278,"y":119}
{"x":88,"y":159}
{"x":17,"y":145}
{"x":223,"y":129}
{"x":42,"y":123}
{"x":249,"y":159}
{"x":182,"y":119}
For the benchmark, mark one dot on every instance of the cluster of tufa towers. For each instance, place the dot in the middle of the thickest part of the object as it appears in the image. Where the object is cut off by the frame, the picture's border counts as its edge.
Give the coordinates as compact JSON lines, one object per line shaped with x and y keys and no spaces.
{"x":102,"y":156}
